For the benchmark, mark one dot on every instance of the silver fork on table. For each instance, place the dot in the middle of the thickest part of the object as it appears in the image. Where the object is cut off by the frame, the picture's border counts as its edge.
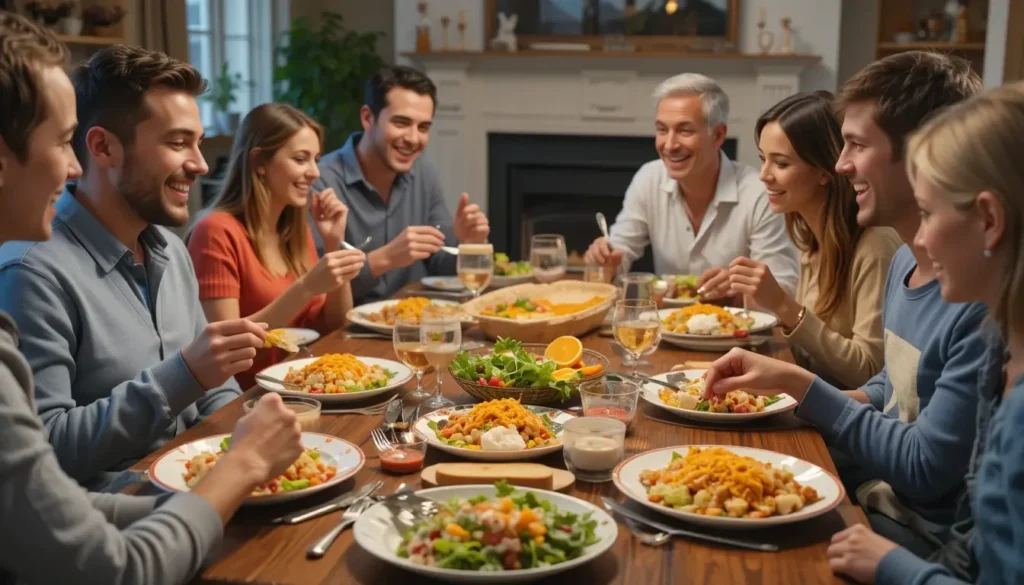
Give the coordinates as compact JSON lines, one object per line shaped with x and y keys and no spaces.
{"x":374,"y":410}
{"x":319,"y":548}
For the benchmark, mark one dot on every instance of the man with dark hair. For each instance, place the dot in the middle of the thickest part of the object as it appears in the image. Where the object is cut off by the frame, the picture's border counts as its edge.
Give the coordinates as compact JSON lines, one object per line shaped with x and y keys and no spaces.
{"x":393,"y":196}
{"x":109,"y":312}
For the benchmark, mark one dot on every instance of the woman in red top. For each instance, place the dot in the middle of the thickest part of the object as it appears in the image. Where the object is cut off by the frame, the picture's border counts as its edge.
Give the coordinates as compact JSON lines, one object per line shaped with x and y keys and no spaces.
{"x":254,"y":253}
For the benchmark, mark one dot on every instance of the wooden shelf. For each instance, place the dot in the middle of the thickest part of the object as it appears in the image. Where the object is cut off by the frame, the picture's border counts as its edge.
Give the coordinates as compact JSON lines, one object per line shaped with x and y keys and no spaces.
{"x":89,"y":40}
{"x":528,"y":54}
{"x":932,"y":46}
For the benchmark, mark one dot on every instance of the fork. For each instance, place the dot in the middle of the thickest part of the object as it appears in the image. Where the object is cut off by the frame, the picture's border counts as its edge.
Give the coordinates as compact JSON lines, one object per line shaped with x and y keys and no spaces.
{"x":319,"y":548}
{"x":374,"y":410}
{"x":380,"y":441}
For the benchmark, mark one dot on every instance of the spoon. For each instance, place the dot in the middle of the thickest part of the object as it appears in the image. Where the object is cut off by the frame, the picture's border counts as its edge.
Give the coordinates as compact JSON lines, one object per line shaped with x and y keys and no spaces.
{"x":648,"y":538}
{"x":603,"y":224}
{"x":349,"y":246}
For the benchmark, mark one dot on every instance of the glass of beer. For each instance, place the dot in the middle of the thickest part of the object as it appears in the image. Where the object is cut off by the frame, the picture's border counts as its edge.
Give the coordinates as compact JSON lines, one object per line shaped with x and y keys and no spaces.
{"x":548,"y":257}
{"x":409,"y":348}
{"x":637,"y":327}
{"x":441,"y":337}
{"x":476,"y":266}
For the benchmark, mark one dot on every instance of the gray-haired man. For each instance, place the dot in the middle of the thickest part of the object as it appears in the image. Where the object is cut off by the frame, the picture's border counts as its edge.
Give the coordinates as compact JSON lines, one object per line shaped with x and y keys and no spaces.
{"x":698,"y":209}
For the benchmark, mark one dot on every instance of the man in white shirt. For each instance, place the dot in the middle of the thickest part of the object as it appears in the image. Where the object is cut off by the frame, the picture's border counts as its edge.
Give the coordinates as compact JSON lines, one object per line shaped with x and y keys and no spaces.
{"x":698,"y":209}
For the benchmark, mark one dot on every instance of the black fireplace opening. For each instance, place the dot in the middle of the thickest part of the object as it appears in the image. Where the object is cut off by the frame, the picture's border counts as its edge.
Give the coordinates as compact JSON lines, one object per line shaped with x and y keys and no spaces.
{"x":556,"y":184}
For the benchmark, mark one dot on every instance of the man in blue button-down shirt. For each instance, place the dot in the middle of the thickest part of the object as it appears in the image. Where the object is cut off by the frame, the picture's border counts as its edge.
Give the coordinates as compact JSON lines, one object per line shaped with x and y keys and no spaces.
{"x":393,"y":195}
{"x":108,"y":309}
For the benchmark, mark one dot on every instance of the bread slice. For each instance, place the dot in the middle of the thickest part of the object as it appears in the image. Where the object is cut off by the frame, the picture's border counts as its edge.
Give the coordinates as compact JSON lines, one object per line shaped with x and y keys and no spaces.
{"x":532,"y":475}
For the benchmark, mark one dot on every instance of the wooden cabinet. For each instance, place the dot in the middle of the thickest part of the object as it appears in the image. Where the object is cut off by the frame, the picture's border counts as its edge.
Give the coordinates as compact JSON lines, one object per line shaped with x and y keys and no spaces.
{"x":907,"y":25}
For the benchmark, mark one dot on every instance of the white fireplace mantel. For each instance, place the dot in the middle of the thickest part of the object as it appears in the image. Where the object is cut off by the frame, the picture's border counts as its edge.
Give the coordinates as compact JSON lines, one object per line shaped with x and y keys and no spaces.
{"x":548,"y":92}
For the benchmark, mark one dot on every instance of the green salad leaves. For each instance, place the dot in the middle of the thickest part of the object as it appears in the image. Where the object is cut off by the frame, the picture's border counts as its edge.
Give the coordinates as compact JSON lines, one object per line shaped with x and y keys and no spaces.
{"x":513,"y":366}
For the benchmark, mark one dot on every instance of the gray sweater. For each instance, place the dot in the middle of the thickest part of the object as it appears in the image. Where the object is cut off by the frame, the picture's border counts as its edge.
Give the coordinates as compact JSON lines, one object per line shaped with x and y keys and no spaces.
{"x":105,"y":352}
{"x":53,"y":531}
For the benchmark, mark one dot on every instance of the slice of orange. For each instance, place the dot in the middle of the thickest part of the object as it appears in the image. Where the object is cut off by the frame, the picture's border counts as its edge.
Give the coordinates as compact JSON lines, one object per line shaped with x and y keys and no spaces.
{"x":564,"y":374}
{"x":591,"y":370}
{"x":564,"y":351}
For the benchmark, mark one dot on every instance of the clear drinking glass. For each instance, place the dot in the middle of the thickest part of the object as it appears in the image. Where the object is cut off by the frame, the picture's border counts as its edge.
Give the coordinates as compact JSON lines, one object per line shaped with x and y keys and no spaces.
{"x":592,"y":446}
{"x":476,"y":266}
{"x":597,"y":273}
{"x":637,"y":327}
{"x":638,"y":286}
{"x":611,"y":399}
{"x":441,"y":337}
{"x":409,"y":349}
{"x":548,"y":257}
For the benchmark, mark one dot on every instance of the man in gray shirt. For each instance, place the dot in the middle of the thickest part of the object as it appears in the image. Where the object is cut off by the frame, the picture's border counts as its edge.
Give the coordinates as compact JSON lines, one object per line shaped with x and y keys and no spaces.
{"x":52,"y":530}
{"x":108,"y":309}
{"x":393,"y":196}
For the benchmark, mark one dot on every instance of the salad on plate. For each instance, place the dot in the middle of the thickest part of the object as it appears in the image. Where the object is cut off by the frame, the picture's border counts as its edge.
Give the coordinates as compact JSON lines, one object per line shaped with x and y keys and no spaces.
{"x":503,"y":266}
{"x":507,"y":532}
{"x":510,"y":365}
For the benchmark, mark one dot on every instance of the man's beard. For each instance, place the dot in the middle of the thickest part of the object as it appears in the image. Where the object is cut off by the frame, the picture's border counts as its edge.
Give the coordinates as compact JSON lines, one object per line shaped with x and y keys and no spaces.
{"x":145,"y":198}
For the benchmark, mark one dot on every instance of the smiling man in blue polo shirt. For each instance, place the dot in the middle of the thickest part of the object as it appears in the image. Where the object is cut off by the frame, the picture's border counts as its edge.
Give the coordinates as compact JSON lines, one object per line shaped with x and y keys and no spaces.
{"x":393,"y":195}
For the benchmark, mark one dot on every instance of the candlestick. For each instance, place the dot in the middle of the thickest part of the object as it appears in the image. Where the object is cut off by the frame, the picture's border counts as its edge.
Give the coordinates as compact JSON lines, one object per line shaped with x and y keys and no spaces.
{"x":445,"y":21}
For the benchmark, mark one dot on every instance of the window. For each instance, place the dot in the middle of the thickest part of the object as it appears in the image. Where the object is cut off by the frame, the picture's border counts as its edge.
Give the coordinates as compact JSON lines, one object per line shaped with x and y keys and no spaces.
{"x":243,"y":34}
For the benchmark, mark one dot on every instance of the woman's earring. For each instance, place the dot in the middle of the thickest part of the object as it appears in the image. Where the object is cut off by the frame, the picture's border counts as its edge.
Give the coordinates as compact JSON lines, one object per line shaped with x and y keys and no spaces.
{"x":987,"y":253}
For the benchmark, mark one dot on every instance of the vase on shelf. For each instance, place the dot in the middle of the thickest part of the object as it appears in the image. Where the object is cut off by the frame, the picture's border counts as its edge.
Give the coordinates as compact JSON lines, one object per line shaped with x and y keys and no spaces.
{"x":71,"y":25}
{"x":423,"y":29}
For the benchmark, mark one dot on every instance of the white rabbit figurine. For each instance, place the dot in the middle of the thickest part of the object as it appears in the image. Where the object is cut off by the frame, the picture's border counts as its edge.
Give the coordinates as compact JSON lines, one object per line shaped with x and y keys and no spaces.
{"x":505,"y":40}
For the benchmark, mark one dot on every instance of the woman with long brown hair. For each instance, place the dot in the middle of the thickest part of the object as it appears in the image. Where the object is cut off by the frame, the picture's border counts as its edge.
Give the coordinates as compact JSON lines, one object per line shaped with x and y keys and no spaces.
{"x":834,"y":323}
{"x":254,"y":253}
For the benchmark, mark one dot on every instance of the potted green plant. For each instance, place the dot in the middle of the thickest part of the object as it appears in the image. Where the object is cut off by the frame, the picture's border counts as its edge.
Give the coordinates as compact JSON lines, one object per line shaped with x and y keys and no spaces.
{"x":324,"y":71}
{"x":223,"y":93}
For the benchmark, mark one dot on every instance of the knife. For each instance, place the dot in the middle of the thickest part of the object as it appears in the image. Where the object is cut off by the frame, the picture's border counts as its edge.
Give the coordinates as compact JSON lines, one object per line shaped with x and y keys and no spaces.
{"x":627,"y":513}
{"x":338,"y":503}
{"x":642,"y":378}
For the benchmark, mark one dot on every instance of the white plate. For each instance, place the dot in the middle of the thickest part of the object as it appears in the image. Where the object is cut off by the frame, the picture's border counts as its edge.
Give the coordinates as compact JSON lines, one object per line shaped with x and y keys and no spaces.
{"x":445,"y":283}
{"x":627,"y":478}
{"x":502,"y":281}
{"x":679,"y":302}
{"x":376,"y":534}
{"x":361,"y":314}
{"x":168,"y":472}
{"x":762,"y":322}
{"x":420,"y":428}
{"x":301,"y":336}
{"x":650,"y":394}
{"x":402,"y":375}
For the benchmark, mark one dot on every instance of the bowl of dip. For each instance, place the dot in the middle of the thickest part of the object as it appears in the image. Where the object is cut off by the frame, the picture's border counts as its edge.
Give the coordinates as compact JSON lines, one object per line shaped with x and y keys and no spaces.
{"x":407,"y":455}
{"x":306,"y":409}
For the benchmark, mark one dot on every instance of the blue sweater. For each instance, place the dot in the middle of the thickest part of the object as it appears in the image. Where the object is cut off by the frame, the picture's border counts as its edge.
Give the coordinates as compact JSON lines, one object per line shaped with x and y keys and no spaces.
{"x":110,"y":383}
{"x":998,"y":510}
{"x":934,"y":351}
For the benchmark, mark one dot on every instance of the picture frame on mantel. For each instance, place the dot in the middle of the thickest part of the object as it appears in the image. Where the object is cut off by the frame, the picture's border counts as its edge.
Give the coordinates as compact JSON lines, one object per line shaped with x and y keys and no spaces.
{"x":616,"y":25}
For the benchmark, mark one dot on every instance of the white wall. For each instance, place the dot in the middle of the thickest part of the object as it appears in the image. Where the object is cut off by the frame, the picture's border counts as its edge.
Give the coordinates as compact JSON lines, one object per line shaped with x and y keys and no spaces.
{"x":995,"y":42}
{"x":816,"y":29}
{"x":858,"y":37}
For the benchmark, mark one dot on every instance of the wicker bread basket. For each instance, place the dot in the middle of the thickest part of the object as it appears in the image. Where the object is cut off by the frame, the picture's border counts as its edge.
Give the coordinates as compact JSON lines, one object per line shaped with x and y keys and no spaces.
{"x":544,"y":330}
{"x":535,"y":396}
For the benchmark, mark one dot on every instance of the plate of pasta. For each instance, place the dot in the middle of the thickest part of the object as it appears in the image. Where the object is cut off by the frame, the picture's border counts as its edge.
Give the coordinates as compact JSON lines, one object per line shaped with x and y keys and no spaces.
{"x":495,"y":430}
{"x":336,"y":377}
{"x":736,"y":406}
{"x":712,"y":328}
{"x":326,"y":461}
{"x":381,"y":316}
{"x":724,"y":486}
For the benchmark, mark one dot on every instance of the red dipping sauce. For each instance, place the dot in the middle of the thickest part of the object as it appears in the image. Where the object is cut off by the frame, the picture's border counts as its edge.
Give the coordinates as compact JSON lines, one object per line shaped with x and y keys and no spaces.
{"x":615,"y":412}
{"x":402,"y":460}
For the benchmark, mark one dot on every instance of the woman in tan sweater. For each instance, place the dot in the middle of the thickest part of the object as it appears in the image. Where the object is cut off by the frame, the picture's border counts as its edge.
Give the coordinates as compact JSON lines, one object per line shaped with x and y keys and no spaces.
{"x":834,"y":325}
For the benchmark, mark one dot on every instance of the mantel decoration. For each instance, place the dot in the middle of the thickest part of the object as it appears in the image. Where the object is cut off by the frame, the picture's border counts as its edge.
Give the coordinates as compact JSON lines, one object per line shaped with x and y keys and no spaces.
{"x":422,"y":29}
{"x":787,"y":37}
{"x":445,"y":21}
{"x":72,"y":23}
{"x":505,"y":40}
{"x":765,"y":38}
{"x":462,"y":30}
{"x":49,"y":14}
{"x":104,"y":20}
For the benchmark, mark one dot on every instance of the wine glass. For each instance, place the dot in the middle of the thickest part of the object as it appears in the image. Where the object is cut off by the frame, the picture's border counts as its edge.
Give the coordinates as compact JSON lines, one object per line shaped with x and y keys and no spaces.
{"x":637,"y":327}
{"x":441,"y":338}
{"x":409,"y":348}
{"x":638,"y":286}
{"x":476,"y":266}
{"x":548,"y":257}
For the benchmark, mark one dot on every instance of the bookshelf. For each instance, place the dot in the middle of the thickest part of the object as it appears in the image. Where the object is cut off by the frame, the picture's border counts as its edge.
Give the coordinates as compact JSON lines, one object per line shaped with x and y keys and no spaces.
{"x":903,"y":23}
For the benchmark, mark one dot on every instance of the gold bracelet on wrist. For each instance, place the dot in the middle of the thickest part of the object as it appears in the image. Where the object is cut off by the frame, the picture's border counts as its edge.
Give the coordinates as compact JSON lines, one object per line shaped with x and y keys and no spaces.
{"x":799,"y":320}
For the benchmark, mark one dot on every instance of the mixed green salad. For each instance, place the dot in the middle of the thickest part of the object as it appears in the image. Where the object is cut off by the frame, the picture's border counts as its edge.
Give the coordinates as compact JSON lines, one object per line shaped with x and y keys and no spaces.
{"x":510,"y":365}
{"x":503,"y":533}
{"x":503,"y":266}
{"x":681,"y":286}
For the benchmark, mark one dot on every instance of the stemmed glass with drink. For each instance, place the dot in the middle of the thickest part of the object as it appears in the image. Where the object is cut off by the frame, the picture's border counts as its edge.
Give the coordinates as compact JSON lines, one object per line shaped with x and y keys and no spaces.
{"x":441,"y":338}
{"x":548,"y":257}
{"x":637,"y":327}
{"x":476,"y":266}
{"x":406,"y":336}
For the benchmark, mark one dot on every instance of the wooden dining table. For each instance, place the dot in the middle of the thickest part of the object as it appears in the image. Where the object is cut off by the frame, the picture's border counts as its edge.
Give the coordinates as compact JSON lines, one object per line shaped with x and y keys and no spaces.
{"x":255,"y":551}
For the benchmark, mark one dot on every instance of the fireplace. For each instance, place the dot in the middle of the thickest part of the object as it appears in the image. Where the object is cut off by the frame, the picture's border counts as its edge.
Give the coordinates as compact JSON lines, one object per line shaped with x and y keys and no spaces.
{"x":555,"y":184}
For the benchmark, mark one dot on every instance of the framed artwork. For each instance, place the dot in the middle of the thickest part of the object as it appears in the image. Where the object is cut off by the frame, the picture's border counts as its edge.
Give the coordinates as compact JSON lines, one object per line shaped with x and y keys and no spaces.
{"x":645,"y":25}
